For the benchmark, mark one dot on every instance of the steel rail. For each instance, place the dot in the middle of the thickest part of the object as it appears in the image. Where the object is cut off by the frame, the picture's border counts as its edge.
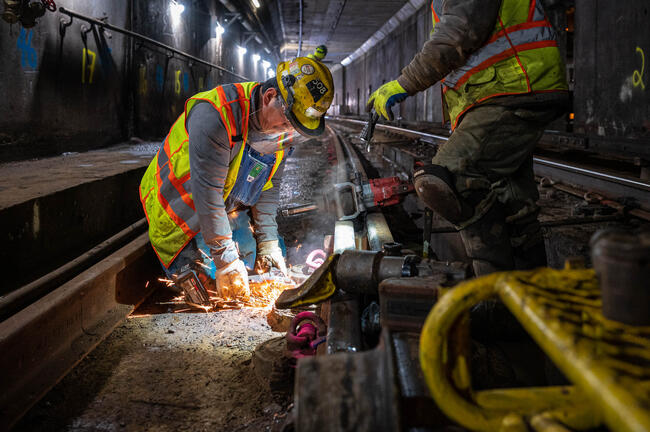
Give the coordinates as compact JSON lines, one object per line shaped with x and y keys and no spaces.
{"x":590,"y":179}
{"x":143,"y":38}
{"x":41,"y":343}
{"x":344,"y":329}
{"x":391,"y":128}
{"x":624,"y":181}
{"x":23,"y":296}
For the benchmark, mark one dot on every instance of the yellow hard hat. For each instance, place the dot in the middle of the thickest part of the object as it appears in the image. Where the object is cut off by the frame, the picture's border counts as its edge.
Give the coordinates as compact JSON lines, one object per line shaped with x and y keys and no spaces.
{"x":307,"y":88}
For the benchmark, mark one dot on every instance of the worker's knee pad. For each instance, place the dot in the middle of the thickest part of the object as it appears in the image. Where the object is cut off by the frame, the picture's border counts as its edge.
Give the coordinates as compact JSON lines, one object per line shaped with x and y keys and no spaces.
{"x":435,"y":186}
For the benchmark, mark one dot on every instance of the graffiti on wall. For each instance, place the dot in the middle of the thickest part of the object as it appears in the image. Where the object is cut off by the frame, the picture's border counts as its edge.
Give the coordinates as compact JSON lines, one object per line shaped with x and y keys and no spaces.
{"x":635,"y":82}
{"x":28,"y":55}
{"x":637,"y":75}
{"x":177,"y":82}
{"x":181,"y":81}
{"x":142,"y":88}
{"x":88,"y":59}
{"x":160,"y":78}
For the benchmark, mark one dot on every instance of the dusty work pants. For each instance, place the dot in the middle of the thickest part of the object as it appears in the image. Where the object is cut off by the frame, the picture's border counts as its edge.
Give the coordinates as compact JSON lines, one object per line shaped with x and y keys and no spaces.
{"x":196,"y":254}
{"x":490,"y":156}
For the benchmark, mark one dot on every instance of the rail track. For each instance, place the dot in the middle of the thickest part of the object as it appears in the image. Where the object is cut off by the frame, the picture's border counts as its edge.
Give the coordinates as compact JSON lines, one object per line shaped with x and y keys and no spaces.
{"x":42,"y":341}
{"x":610,"y":185}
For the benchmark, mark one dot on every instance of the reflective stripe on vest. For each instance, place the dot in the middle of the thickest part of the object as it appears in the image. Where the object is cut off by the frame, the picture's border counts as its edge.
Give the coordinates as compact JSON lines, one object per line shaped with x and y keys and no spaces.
{"x":503,"y":47}
{"x":522,"y":50}
{"x":164,"y":189}
{"x":279,"y":155}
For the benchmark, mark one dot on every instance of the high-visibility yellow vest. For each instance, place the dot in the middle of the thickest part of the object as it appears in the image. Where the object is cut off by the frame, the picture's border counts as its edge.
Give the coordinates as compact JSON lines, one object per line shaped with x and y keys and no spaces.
{"x":520,"y":57}
{"x":169,"y":208}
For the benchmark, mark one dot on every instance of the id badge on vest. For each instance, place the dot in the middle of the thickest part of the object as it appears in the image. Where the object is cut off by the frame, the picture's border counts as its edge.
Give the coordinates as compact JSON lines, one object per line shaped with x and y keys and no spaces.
{"x":254,"y":172}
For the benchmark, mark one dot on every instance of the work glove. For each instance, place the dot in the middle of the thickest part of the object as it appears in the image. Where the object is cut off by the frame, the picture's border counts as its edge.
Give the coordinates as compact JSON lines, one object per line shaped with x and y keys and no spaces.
{"x":385,"y":97}
{"x":232,"y":281}
{"x":269,"y":255}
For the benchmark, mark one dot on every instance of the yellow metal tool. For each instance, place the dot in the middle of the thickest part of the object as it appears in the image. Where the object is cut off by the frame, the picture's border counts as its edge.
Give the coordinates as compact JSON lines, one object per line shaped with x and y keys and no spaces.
{"x":317,"y":288}
{"x":608,"y":362}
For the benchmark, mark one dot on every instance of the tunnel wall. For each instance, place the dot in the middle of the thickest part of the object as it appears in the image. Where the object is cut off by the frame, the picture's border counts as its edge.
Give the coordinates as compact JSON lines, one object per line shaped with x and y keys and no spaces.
{"x":612,"y":68}
{"x":383,"y":63}
{"x":607,"y":50}
{"x":74,"y":91}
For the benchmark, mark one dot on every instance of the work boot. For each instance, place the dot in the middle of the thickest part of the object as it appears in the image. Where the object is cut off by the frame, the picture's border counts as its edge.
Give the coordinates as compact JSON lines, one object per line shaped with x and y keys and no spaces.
{"x":487,"y":243}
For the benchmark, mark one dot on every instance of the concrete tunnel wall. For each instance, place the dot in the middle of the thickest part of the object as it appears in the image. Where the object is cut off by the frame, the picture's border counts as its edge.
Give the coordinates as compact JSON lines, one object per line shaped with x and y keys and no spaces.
{"x":383,"y":63}
{"x":67,"y":93}
{"x":609,"y":103}
{"x":74,"y":92}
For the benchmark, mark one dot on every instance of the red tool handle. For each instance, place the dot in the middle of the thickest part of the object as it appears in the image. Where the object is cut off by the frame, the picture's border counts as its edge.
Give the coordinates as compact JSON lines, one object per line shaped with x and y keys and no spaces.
{"x":49,"y":5}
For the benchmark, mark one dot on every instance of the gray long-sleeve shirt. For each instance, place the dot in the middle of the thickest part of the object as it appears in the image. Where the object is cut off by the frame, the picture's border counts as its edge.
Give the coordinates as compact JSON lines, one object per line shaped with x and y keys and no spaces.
{"x":463,"y":28}
{"x":210,"y":157}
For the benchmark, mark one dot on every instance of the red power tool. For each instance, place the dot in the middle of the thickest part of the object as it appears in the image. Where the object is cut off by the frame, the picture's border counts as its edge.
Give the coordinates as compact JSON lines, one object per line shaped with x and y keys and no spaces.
{"x":386,"y":191}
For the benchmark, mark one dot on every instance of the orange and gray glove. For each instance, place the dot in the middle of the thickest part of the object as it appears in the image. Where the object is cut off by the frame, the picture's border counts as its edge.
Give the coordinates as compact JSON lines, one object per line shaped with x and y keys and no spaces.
{"x":270,"y":255}
{"x":232,"y":281}
{"x":385,"y":97}
{"x":231,"y":276}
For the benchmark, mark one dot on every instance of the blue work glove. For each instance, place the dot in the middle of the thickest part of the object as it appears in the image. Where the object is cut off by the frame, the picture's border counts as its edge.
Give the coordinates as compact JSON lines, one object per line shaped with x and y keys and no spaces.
{"x":385,"y":97}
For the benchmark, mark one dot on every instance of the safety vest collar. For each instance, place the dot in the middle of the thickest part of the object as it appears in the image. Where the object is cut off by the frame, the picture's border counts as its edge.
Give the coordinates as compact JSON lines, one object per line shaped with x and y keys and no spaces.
{"x":232,"y":102}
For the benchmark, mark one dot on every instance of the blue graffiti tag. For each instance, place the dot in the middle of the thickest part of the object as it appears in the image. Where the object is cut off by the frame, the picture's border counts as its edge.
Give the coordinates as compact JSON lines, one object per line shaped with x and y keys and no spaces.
{"x":28,"y":56}
{"x":160,"y":78}
{"x":186,"y":82}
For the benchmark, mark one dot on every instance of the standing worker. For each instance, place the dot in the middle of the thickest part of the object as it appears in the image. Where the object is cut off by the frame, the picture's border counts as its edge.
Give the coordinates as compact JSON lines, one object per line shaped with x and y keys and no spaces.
{"x":219,"y":161}
{"x":503,"y":80}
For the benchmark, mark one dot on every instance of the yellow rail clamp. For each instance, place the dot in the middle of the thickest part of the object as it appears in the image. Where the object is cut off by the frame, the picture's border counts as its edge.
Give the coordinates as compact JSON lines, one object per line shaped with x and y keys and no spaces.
{"x":608,"y":362}
{"x":318,"y":287}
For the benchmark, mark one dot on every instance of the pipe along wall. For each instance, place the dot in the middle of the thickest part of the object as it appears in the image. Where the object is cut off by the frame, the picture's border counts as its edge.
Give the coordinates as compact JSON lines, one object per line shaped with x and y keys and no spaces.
{"x":82,"y":88}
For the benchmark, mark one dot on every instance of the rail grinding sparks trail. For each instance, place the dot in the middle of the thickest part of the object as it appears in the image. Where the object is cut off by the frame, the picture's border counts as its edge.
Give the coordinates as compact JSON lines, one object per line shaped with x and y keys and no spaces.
{"x":264,"y":289}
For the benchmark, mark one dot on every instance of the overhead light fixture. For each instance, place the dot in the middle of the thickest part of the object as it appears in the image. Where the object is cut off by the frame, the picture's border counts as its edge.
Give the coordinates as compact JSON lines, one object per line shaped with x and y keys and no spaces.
{"x":256,"y":58}
{"x":270,"y":73}
{"x":242,"y":50}
{"x":265,"y":64}
{"x":176,"y":9}
{"x":256,"y":3}
{"x":220,"y":30}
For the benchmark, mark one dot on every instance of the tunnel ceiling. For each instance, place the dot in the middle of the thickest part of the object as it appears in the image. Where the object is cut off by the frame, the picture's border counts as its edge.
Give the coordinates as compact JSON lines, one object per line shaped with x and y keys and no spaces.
{"x":342,"y":25}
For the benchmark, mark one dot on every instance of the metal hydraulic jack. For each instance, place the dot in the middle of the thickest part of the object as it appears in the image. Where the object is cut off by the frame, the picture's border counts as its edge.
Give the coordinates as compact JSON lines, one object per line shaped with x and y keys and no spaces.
{"x":349,"y":386}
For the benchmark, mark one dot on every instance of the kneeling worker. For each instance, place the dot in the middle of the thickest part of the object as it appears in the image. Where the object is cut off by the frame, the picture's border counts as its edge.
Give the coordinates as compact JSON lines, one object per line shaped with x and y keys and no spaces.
{"x":220,"y":160}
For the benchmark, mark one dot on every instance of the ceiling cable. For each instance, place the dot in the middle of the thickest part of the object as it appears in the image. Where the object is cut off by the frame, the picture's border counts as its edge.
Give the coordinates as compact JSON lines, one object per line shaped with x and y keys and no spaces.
{"x":300,"y":31}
